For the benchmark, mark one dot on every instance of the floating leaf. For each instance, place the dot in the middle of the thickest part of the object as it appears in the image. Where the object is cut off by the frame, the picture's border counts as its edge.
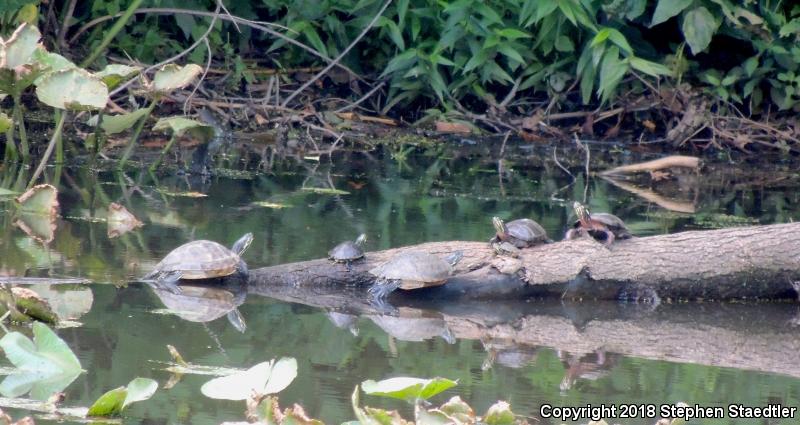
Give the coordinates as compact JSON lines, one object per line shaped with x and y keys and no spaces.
{"x":274,"y":205}
{"x":405,"y":388}
{"x":499,"y":414}
{"x":45,"y":365}
{"x":19,"y":48}
{"x":180,"y":126}
{"x":30,"y":303}
{"x":120,"y":220}
{"x":40,"y":199}
{"x":325,"y":191}
{"x":263,"y":379}
{"x":73,"y":89}
{"x":173,"y":77}
{"x":113,"y":402}
{"x":113,"y":124}
{"x":5,"y":122}
{"x":42,"y":228}
{"x":114,"y":74}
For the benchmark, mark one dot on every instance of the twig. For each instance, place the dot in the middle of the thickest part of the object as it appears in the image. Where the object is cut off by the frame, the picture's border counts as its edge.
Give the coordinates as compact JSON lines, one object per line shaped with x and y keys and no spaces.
{"x":361,"y":99}
{"x":202,"y":77}
{"x":338,"y":58}
{"x":555,"y":158}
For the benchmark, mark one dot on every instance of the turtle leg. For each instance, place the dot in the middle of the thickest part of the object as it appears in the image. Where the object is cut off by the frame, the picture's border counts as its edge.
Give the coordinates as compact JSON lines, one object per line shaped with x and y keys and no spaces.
{"x":236,"y":319}
{"x":349,"y":265}
{"x":380,"y":290}
{"x":169,"y":281}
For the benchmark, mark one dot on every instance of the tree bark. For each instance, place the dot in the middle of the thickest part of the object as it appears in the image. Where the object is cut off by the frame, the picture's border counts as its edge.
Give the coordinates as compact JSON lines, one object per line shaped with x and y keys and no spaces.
{"x":759,"y":262}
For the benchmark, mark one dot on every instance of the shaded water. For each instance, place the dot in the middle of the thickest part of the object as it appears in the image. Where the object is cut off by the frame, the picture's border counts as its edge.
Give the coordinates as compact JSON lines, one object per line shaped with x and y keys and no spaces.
{"x":396,"y":202}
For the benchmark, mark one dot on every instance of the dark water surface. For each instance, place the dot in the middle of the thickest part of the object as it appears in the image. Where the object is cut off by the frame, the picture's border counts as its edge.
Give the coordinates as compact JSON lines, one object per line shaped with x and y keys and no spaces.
{"x":419,"y":199}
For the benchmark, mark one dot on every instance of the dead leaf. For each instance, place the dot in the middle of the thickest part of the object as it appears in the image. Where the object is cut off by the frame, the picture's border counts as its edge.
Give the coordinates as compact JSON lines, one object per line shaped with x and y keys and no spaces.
{"x":453,"y":127}
{"x":649,"y":125}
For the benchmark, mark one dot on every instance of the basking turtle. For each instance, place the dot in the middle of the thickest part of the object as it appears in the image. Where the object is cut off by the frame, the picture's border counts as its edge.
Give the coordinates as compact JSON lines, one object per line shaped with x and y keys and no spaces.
{"x":201,"y":260}
{"x":412,"y":270}
{"x":520,"y":233}
{"x":505,"y":248}
{"x":348,"y":251}
{"x":603,"y":227}
{"x":203,"y":303}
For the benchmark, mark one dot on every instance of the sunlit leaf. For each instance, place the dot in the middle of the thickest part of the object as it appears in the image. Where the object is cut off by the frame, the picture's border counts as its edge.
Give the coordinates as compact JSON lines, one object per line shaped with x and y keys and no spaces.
{"x":650,"y":68}
{"x":667,"y":9}
{"x":40,"y":199}
{"x":5,"y":122}
{"x":109,"y":404}
{"x":50,"y":62}
{"x":180,"y":126}
{"x":264,"y":378}
{"x":72,"y":89}
{"x":18,"y":49}
{"x":139,"y":389}
{"x":274,"y":205}
{"x":173,"y":77}
{"x":405,"y":388}
{"x":114,"y":74}
{"x":40,"y":227}
{"x":698,"y":27}
{"x":113,"y":124}
{"x":499,"y":414}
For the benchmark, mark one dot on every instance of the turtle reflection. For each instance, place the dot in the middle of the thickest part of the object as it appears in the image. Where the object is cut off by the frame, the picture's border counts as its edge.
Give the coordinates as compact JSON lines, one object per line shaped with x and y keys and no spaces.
{"x":414,"y":325}
{"x":205,"y":303}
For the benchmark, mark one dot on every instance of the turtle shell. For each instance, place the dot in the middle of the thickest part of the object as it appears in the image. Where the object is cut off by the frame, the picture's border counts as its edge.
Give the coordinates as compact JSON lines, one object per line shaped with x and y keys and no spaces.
{"x":414,"y":269}
{"x":346,"y":251}
{"x":200,"y":260}
{"x":613,"y":223}
{"x":525,"y":232}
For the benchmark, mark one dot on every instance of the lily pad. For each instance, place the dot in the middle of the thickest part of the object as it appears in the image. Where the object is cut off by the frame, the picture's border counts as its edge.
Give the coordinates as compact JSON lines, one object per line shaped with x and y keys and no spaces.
{"x":120,"y":220}
{"x":405,"y":388}
{"x":115,"y":74}
{"x":19,"y":48}
{"x":45,"y":365}
{"x":173,"y":77}
{"x":42,"y":228}
{"x":40,"y":199}
{"x":115,"y":401}
{"x":113,"y":124}
{"x":264,"y":378}
{"x":73,"y":89}
{"x":5,"y":122}
{"x":180,"y":126}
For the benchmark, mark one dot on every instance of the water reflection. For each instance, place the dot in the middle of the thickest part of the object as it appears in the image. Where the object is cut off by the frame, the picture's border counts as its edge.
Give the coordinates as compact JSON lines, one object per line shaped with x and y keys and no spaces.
{"x":203,"y":303}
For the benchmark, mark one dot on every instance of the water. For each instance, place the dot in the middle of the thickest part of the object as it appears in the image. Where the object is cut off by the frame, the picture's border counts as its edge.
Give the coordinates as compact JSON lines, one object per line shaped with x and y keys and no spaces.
{"x":399,"y":202}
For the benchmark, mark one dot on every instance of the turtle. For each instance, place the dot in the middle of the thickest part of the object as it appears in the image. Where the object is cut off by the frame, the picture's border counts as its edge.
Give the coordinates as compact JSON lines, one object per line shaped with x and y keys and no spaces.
{"x":201,"y":260}
{"x":412,"y":270}
{"x":603,"y":227}
{"x":203,"y":303}
{"x":348,"y":251}
{"x":521,"y":233}
{"x":505,"y":248}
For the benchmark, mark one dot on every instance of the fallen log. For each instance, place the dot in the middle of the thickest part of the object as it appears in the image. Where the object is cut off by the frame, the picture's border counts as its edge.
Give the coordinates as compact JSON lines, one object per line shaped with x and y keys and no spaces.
{"x":758,"y":262}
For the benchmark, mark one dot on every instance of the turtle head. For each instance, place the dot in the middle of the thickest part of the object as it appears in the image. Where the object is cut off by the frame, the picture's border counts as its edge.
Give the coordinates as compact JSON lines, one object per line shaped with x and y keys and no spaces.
{"x":582,"y":212}
{"x":499,"y":226}
{"x":361,"y":239}
{"x":241,"y":245}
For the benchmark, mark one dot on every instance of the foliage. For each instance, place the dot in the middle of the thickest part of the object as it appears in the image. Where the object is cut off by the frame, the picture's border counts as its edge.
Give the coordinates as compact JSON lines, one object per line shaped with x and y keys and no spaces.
{"x":113,"y":402}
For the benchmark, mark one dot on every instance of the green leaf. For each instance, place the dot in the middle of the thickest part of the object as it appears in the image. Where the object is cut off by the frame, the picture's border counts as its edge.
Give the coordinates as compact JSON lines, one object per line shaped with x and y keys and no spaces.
{"x":667,"y":9}
{"x":408,"y":389}
{"x":499,"y":414}
{"x":750,"y":65}
{"x":5,"y":122}
{"x":612,"y":70}
{"x":180,"y":126}
{"x":699,"y":26}
{"x":114,"y":74}
{"x":564,"y":44}
{"x":617,"y":38}
{"x":313,"y":38}
{"x":510,"y":53}
{"x":173,"y":77}
{"x":401,"y":62}
{"x":650,"y":68}
{"x":18,"y":49}
{"x":139,"y":389}
{"x":73,"y":89}
{"x":109,"y":404}
{"x":512,"y":33}
{"x":113,"y":124}
{"x":41,"y":199}
{"x":264,"y":378}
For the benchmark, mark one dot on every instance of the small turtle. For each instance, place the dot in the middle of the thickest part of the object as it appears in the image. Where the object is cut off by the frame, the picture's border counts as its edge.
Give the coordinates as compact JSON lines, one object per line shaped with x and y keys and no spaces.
{"x":348,"y":251}
{"x":201,"y":260}
{"x":603,"y":227}
{"x":412,"y":270}
{"x":506,"y":248}
{"x":521,"y":233}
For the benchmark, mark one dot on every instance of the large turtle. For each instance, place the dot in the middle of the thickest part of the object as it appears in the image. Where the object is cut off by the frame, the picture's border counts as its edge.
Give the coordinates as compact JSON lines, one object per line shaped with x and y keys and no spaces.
{"x":201,"y":260}
{"x":603,"y":227}
{"x":412,"y":270}
{"x":521,"y":233}
{"x":348,"y":251}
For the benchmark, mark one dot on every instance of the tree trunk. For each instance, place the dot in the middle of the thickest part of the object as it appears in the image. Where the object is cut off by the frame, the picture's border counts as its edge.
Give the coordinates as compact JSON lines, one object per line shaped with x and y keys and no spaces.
{"x":759,"y":262}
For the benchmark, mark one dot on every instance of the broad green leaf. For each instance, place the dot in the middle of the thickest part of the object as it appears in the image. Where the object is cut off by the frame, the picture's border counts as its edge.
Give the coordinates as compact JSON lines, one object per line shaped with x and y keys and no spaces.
{"x":617,"y":38}
{"x":113,"y":124}
{"x":612,"y":69}
{"x":405,"y":388}
{"x":512,"y":33}
{"x":51,"y":62}
{"x":139,"y":389}
{"x":667,"y":9}
{"x":699,"y":26}
{"x":114,"y":74}
{"x":180,"y":126}
{"x":19,"y":48}
{"x":109,"y":404}
{"x":264,"y":378}
{"x":73,"y":89}
{"x":650,"y":68}
{"x":5,"y":122}
{"x":499,"y":414}
{"x":313,"y":38}
{"x":41,"y":199}
{"x":750,"y":65}
{"x":564,"y":44}
{"x":173,"y":77}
